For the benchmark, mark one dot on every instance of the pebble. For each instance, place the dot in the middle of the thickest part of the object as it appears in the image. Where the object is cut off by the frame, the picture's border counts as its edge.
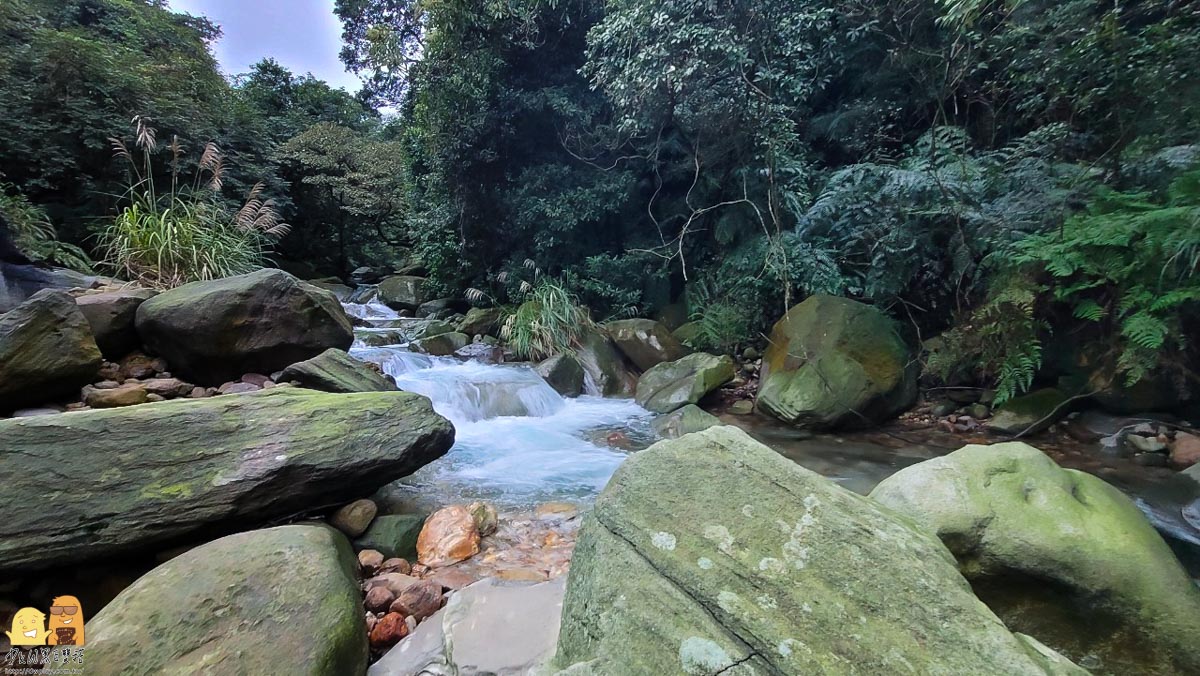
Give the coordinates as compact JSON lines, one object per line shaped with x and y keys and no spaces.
{"x":401,"y":566}
{"x":379,"y":599}
{"x":419,"y":600}
{"x":388,"y":631}
{"x":369,"y":561}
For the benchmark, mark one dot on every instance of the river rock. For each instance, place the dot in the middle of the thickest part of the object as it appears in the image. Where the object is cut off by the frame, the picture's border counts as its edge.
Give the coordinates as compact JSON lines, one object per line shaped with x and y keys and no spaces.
{"x":393,"y":535}
{"x":335,"y":370}
{"x":714,"y":554}
{"x":168,"y":388}
{"x":419,"y":600}
{"x":388,"y":631}
{"x":440,"y":306}
{"x":144,"y":475}
{"x":833,"y":362}
{"x":675,"y":384}
{"x":46,"y":351}
{"x":605,"y":365}
{"x":564,"y":373}
{"x":124,"y":395}
{"x":1008,"y":511}
{"x":403,"y":292}
{"x":339,"y":290}
{"x":1185,"y":450}
{"x":261,"y":322}
{"x":645,"y":342}
{"x":209,"y":609}
{"x":480,"y":322}
{"x":448,"y":536}
{"x":441,"y":345}
{"x":689,"y":419}
{"x":353,"y":519}
{"x":112,"y":317}
{"x":1033,"y":412}
{"x":489,"y":627}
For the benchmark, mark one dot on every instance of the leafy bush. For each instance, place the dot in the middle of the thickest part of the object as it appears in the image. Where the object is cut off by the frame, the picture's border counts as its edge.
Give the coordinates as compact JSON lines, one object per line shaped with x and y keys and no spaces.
{"x":34,"y":234}
{"x":1125,"y":270}
{"x":549,"y":321}
{"x":188,"y":233}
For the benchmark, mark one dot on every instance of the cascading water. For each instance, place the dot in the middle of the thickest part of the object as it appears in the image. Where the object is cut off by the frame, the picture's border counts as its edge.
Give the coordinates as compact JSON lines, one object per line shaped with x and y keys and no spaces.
{"x":517,"y":442}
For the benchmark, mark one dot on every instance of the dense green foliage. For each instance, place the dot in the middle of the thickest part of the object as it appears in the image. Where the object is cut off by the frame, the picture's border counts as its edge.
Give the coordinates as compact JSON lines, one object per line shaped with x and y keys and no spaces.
{"x":1008,"y":172}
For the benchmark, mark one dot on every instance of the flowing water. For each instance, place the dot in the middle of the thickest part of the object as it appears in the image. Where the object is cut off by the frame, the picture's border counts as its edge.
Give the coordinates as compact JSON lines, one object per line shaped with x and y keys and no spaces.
{"x":517,"y":442}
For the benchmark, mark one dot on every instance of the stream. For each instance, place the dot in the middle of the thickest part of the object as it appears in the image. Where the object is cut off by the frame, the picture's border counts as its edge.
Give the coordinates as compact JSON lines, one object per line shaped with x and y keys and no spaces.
{"x":519,"y":444}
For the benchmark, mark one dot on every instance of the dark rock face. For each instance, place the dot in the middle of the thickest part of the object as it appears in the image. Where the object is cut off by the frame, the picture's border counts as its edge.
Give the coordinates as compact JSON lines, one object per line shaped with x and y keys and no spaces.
{"x":606,"y":365}
{"x":404,"y":292}
{"x":564,"y":373}
{"x":208,"y":610}
{"x":112,"y":317}
{"x":127,"y":478}
{"x":645,"y":342}
{"x":19,"y":282}
{"x":46,"y":351}
{"x":262,"y":322}
{"x":336,"y":371}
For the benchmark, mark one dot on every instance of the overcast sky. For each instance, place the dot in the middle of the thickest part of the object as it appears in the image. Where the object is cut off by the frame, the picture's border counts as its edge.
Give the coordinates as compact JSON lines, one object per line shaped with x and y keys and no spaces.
{"x":303,"y":35}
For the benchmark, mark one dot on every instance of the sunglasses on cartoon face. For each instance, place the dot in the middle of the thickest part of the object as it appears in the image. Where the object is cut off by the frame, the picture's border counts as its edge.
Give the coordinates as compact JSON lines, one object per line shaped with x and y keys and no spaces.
{"x":64,"y":610}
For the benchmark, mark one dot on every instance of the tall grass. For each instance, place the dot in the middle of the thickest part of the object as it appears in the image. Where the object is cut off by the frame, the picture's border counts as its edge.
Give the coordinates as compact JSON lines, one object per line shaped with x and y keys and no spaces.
{"x":188,"y":233}
{"x":549,"y":320}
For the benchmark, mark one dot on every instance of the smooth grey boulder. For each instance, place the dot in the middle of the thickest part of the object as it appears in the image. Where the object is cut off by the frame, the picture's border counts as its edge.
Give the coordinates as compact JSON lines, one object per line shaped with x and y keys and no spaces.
{"x":262,"y":322}
{"x":46,"y":351}
{"x":128,"y":478}
{"x":1008,"y":512}
{"x":207,"y":610}
{"x":489,"y":628}
{"x":676,"y":384}
{"x":564,"y":373}
{"x":645,"y":342}
{"x":112,"y":316}
{"x":335,"y":370}
{"x":713,"y":554}
{"x":403,"y":292}
{"x":689,"y":419}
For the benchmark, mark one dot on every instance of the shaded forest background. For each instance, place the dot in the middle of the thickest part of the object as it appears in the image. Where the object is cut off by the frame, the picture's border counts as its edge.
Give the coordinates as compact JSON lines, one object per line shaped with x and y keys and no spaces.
{"x":1016,"y":181}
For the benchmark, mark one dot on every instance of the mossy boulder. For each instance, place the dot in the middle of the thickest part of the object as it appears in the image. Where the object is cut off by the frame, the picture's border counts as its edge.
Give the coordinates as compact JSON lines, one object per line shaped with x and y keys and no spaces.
{"x":128,"y":478}
{"x":112,"y":317}
{"x":404,"y":292}
{"x":277,"y":601}
{"x":441,"y":345}
{"x":262,"y":322}
{"x":480,"y":322}
{"x":605,"y":365}
{"x":564,"y":373}
{"x":714,"y":554}
{"x":689,"y":419}
{"x":1008,"y":511}
{"x":687,"y":333}
{"x":1031,"y":412}
{"x":393,"y":535}
{"x":835,"y":363}
{"x":645,"y":342}
{"x":676,"y":384}
{"x":46,"y":351}
{"x":336,"y":371}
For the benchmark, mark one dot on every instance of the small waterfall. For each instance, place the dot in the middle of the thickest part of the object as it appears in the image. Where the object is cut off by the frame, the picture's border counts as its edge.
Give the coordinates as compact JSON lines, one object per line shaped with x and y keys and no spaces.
{"x":371,"y":312}
{"x":517,"y":441}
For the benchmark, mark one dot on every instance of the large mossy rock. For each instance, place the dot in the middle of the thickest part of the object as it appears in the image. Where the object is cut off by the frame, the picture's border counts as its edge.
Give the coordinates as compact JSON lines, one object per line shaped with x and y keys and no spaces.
{"x":393,"y":535}
{"x":676,"y":384}
{"x":208,"y":610}
{"x":1029,"y":413}
{"x":46,"y":351}
{"x":605,"y":366}
{"x":564,"y":373}
{"x":119,"y":480}
{"x":404,"y":292}
{"x":1009,"y":512}
{"x":645,"y":342}
{"x":834,"y":362}
{"x":481,"y":322}
{"x":112,"y":316}
{"x":336,"y":371}
{"x":261,"y":322}
{"x":689,"y":419}
{"x":712,"y":554}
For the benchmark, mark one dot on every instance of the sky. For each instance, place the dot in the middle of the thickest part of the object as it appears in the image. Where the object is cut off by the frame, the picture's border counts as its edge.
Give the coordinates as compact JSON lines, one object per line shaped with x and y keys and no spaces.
{"x":303,"y":35}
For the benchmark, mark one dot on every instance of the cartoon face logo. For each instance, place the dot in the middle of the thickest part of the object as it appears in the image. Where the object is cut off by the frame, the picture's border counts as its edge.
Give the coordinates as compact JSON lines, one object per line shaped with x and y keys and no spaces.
{"x":66,"y":622}
{"x":28,"y":627}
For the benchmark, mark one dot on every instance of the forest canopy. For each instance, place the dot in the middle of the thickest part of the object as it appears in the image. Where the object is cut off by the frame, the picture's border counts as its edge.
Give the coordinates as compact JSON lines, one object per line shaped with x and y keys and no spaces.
{"x":1009,"y":175}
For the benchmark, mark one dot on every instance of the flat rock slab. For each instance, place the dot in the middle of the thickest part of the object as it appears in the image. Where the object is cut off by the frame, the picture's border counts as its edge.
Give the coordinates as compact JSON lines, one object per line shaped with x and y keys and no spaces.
{"x":85,"y":485}
{"x":490,"y":628}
